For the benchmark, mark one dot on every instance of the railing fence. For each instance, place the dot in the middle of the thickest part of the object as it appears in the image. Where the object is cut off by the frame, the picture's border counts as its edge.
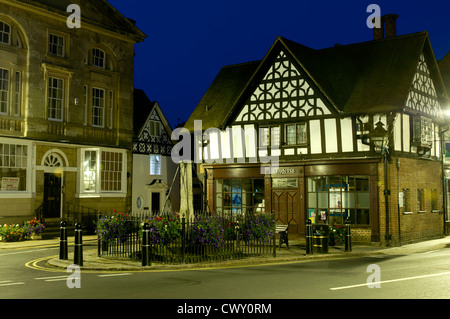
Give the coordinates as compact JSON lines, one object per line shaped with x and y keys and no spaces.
{"x":176,"y":240}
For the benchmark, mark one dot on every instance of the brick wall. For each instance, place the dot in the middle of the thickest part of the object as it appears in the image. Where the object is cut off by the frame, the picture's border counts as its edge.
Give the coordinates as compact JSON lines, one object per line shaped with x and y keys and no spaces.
{"x":415,"y":224}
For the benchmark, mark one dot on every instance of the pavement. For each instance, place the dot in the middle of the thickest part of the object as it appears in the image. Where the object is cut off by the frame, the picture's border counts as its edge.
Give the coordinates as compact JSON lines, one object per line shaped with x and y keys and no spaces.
{"x":295,"y":253}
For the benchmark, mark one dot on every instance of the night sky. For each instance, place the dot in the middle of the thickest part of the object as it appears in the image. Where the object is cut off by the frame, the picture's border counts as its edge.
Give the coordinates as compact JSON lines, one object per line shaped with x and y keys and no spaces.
{"x":189,"y":41}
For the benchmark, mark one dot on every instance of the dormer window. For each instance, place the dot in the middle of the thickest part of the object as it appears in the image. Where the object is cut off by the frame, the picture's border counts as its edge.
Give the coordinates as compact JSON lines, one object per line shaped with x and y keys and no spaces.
{"x":98,"y":58}
{"x":5,"y":33}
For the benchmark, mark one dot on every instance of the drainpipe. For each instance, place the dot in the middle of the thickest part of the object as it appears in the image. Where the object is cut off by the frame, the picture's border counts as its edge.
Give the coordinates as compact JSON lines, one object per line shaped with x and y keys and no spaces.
{"x":398,"y":203}
{"x":444,"y":184}
{"x":386,"y":197}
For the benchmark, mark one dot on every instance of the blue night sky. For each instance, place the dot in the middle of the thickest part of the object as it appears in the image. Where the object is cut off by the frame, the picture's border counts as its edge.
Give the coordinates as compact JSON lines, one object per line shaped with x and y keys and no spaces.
{"x":189,"y":41}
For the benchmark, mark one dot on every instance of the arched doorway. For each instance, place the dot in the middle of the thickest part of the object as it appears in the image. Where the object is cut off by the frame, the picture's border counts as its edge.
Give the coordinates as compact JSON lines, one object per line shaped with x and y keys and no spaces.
{"x":53,"y":176}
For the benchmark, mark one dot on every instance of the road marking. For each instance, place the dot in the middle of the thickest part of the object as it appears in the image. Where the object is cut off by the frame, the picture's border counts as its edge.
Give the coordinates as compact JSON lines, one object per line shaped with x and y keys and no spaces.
{"x":56,"y":278}
{"x":10,"y":283}
{"x":114,"y":275}
{"x":392,"y":280}
{"x":23,"y":252}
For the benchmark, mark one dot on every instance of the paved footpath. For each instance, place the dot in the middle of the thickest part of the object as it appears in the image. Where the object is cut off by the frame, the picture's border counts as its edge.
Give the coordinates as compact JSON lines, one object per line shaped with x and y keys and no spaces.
{"x":295,"y":253}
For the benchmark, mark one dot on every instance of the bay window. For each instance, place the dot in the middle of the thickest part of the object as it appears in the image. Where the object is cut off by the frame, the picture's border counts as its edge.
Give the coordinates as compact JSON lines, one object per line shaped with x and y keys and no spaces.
{"x":103,"y":171}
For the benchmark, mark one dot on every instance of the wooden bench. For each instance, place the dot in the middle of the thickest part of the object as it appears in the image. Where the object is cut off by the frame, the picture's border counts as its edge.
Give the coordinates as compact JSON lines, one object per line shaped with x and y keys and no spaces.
{"x":282,"y":230}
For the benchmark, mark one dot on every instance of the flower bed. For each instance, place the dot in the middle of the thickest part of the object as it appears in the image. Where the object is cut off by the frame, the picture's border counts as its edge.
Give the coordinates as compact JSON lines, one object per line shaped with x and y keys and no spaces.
{"x":115,"y":227}
{"x":260,"y":227}
{"x":16,"y":232}
{"x":336,"y":236}
{"x":163,"y":229}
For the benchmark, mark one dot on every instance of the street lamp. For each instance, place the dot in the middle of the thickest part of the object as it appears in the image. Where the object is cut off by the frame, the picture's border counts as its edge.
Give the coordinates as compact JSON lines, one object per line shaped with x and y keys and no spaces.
{"x":380,"y":139}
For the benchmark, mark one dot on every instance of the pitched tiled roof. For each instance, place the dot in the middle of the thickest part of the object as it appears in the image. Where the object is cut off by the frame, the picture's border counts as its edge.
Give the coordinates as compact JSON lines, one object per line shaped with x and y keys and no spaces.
{"x":363,"y":78}
{"x":95,"y":12}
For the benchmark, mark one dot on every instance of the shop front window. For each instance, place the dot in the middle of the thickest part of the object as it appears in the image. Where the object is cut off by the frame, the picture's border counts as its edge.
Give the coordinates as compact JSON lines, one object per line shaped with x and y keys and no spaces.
{"x":332,"y":199}
{"x":238,"y":196}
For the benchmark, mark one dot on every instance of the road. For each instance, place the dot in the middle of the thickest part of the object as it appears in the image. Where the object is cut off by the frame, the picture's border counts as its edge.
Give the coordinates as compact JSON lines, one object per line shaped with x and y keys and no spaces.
{"x":415,"y":276}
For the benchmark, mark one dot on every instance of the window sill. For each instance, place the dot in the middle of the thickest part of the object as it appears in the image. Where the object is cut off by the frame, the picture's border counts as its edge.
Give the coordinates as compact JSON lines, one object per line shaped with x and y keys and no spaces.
{"x":10,"y":195}
{"x":99,"y":195}
{"x":407,"y":213}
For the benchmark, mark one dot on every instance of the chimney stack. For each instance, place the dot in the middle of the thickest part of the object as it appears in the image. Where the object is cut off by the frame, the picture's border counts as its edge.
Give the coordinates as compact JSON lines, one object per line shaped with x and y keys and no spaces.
{"x":390,"y":21}
{"x":388,"y":27}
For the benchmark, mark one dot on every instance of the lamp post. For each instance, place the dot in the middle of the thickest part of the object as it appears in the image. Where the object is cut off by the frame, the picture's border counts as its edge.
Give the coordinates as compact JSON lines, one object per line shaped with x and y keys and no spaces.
{"x":380,"y":139}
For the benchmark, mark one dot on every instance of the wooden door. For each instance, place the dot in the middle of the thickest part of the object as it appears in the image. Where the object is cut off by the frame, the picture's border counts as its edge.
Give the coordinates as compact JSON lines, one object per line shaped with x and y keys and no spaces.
{"x":52,"y":195}
{"x":286,"y":206}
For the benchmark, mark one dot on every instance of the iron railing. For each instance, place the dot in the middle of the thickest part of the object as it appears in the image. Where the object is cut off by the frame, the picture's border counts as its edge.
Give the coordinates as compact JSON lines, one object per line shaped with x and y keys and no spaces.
{"x":177,"y":240}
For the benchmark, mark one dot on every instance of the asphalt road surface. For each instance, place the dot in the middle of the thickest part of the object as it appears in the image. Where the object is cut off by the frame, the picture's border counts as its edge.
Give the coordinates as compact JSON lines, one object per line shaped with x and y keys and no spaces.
{"x":23,"y":275}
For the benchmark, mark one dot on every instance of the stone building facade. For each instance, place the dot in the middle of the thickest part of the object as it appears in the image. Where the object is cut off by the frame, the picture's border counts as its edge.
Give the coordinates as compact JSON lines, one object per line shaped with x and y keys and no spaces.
{"x":66,"y":115}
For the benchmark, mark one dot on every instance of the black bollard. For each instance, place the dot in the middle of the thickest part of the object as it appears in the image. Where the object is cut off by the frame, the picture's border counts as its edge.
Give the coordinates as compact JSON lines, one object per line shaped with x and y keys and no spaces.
{"x":63,"y":255}
{"x":146,"y":245}
{"x":78,"y":251}
{"x":348,"y":235}
{"x":309,"y":235}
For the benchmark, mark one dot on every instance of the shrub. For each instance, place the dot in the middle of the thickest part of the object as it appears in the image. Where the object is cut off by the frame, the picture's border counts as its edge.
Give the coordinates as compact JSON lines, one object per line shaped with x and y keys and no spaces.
{"x":207,"y":230}
{"x":34,"y":227}
{"x":163,"y":230}
{"x":336,"y":236}
{"x":114,"y":227}
{"x":259,"y":227}
{"x":13,"y":233}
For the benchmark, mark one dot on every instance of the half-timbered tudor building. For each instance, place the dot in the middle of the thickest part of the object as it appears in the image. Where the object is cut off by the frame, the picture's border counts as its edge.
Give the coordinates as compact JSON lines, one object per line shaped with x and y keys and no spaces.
{"x":155,"y":178}
{"x":296,"y":134}
{"x":66,"y":105}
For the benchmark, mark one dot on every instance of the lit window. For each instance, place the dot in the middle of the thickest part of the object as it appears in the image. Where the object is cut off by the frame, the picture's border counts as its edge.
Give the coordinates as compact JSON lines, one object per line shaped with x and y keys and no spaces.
{"x":90,"y":171}
{"x":155,"y":164}
{"x":269,"y":136}
{"x":296,"y":134}
{"x":13,"y":167}
{"x":103,"y":171}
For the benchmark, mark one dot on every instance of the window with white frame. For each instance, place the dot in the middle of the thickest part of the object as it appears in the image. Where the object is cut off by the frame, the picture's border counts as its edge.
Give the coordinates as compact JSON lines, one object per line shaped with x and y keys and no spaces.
{"x":155,"y":128}
{"x":55,"y":99}
{"x":4,"y":91}
{"x":269,"y":136}
{"x":18,"y":94}
{"x":111,"y":171}
{"x":296,"y":134}
{"x":98,"y":58}
{"x":13,"y":167}
{"x":56,"y":45}
{"x":155,"y":164}
{"x":103,"y":171}
{"x":98,"y":107}
{"x":5,"y":33}
{"x":85,"y":102}
{"x":90,"y":171}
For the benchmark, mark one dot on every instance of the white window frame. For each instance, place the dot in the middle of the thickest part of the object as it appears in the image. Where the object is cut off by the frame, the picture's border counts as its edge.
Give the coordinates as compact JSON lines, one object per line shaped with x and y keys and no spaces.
{"x":51,"y":98}
{"x":3,"y":32}
{"x":18,"y":94}
{"x":98,"y":58}
{"x":155,"y":164}
{"x":5,"y":89}
{"x":100,"y":108}
{"x":57,"y":45}
{"x":30,"y":175}
{"x":97,"y":190}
